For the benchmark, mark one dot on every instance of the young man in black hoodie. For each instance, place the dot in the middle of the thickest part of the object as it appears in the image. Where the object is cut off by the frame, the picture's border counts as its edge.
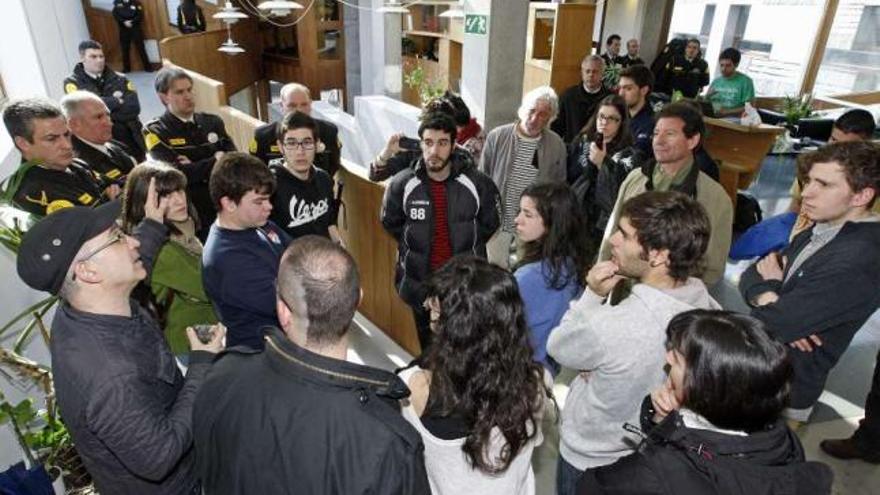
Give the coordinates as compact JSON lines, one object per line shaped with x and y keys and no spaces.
{"x":303,"y":202}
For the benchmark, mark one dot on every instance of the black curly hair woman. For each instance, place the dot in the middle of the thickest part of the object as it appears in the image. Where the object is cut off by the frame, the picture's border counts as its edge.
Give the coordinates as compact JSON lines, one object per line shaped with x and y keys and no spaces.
{"x":479,"y":400}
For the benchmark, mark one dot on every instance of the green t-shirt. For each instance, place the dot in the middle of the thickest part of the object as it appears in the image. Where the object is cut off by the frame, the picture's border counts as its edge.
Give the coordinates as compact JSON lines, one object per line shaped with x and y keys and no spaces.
{"x":732,"y":92}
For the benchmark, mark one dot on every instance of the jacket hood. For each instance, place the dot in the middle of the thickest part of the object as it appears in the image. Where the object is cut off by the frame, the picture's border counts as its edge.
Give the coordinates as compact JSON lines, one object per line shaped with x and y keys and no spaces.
{"x":770,"y":461}
{"x":667,"y":303}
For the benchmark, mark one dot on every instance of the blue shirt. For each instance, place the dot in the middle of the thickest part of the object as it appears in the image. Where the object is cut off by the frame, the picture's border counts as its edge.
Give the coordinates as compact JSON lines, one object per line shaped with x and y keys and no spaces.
{"x":239,"y":268}
{"x":544,"y":306}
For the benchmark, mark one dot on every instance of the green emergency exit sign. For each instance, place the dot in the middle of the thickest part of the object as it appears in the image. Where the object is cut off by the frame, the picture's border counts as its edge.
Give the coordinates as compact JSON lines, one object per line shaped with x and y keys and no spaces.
{"x":476,"y":24}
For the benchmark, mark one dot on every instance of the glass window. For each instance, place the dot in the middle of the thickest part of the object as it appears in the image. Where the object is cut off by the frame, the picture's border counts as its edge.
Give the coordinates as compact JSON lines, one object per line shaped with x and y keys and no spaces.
{"x":851,"y":62}
{"x":774,"y":37}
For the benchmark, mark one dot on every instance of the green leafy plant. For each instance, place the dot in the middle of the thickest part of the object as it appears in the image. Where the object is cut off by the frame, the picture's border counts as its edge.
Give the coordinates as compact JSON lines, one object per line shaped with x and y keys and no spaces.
{"x":611,"y":76}
{"x":796,"y":108}
{"x":417,"y":79}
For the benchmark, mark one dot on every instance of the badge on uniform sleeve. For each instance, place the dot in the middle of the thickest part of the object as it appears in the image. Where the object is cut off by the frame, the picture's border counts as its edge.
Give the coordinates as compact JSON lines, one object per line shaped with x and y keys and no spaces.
{"x":117,"y":95}
{"x":70,"y":88}
{"x":213,"y":137}
{"x":252,"y":147}
{"x":130,"y":86}
{"x":58,"y":204}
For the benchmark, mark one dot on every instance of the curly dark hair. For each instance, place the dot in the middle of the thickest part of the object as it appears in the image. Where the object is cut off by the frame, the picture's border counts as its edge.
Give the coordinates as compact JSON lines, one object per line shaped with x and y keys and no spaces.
{"x":860,"y":161}
{"x":624,"y":135}
{"x":736,"y":375}
{"x":564,"y":245}
{"x":674,"y":221}
{"x":481,"y":362}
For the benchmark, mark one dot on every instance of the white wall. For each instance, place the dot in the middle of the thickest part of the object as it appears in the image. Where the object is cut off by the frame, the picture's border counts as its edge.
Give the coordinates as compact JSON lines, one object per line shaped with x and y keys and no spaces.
{"x":625,"y":18}
{"x":38,"y":47}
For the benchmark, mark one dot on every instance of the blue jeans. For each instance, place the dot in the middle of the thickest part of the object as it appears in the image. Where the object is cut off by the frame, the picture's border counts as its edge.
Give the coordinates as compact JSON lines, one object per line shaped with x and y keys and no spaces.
{"x":567,"y":477}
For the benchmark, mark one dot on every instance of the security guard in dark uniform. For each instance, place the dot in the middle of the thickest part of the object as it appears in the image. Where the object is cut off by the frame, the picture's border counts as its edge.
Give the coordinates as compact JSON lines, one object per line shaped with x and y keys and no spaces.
{"x":118,"y":93}
{"x":129,"y":15}
{"x":191,"y":141}
{"x":110,"y":160}
{"x":688,"y":72}
{"x":295,"y":97}
{"x":41,"y":190}
{"x":49,"y":177}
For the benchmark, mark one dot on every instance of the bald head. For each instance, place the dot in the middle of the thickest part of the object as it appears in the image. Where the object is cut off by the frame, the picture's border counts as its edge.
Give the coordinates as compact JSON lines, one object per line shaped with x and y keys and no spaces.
{"x":319,"y":284}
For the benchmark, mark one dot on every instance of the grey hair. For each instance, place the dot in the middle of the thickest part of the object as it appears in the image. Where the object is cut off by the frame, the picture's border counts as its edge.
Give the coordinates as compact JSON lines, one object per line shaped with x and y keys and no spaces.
{"x":594,"y":58}
{"x":71,"y":102}
{"x":290,"y":88}
{"x":531,"y":99}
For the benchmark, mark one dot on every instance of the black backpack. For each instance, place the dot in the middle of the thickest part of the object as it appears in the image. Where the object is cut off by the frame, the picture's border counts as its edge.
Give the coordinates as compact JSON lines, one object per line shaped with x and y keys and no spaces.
{"x":746,"y":214}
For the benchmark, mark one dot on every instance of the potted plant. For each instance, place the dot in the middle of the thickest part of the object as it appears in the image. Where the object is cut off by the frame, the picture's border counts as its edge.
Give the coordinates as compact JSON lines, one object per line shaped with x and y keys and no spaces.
{"x":418,"y":80}
{"x":795,"y":108}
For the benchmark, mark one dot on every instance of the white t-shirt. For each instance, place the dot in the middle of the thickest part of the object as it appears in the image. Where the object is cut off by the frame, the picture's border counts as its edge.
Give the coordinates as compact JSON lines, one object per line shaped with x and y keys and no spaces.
{"x":450,"y":472}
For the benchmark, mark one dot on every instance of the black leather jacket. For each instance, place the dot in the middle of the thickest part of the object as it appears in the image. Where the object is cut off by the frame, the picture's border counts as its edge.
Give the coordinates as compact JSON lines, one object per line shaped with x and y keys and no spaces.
{"x":675,"y":459}
{"x":286,"y":420}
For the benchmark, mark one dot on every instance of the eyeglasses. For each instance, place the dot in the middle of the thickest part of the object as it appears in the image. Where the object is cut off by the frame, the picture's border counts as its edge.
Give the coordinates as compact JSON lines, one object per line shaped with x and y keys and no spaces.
{"x":115,"y":236}
{"x":305,"y":144}
{"x":608,"y":118}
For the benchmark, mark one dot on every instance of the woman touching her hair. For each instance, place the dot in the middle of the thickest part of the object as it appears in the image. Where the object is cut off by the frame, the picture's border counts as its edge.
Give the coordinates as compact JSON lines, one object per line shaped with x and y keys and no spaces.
{"x":176,"y":279}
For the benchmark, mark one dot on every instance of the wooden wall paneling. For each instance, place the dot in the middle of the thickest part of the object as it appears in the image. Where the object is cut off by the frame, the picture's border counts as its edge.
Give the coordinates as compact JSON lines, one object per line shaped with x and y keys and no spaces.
{"x":239,"y":125}
{"x":375,"y":253}
{"x":198,"y":52}
{"x":535,"y":74}
{"x":307,"y":43}
{"x":102,"y":28}
{"x":282,"y":68}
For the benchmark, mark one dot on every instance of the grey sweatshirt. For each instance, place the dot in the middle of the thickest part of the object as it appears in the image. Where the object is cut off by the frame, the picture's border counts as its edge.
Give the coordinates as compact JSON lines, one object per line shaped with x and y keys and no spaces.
{"x":623,"y":349}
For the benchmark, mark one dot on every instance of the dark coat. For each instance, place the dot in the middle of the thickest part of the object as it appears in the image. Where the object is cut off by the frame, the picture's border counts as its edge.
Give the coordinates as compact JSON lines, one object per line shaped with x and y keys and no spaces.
{"x":168,"y":137}
{"x":597,"y":187}
{"x":41,"y":190}
{"x":119,"y":95}
{"x":576,"y":106}
{"x":675,"y":459}
{"x":122,"y":396}
{"x":832,"y":295}
{"x":113,"y":165}
{"x":287,"y":420}
{"x":474,"y":212}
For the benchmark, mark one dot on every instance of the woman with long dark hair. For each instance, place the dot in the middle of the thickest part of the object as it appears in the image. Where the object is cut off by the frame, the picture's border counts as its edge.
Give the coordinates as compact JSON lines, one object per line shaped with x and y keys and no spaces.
{"x":599,"y":159}
{"x":715,"y":426}
{"x":176,"y":280}
{"x":554,"y":260}
{"x":478,"y":402}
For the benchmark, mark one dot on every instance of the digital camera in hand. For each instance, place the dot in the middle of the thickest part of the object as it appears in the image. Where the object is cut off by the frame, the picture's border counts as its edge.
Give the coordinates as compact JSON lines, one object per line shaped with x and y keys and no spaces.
{"x":408,"y":143}
{"x":204,"y":332}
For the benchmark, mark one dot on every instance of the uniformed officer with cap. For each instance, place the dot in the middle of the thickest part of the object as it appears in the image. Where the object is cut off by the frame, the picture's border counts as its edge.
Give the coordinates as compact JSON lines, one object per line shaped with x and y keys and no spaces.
{"x":296,"y":98}
{"x":49,"y":177}
{"x":92,"y":74}
{"x":89,"y":122}
{"x":190,"y":140}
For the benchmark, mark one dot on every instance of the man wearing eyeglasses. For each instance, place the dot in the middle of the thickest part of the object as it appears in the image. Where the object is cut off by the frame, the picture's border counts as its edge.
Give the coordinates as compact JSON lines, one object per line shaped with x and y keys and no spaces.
{"x":296,"y":98}
{"x":120,"y":392}
{"x":303,"y":202}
